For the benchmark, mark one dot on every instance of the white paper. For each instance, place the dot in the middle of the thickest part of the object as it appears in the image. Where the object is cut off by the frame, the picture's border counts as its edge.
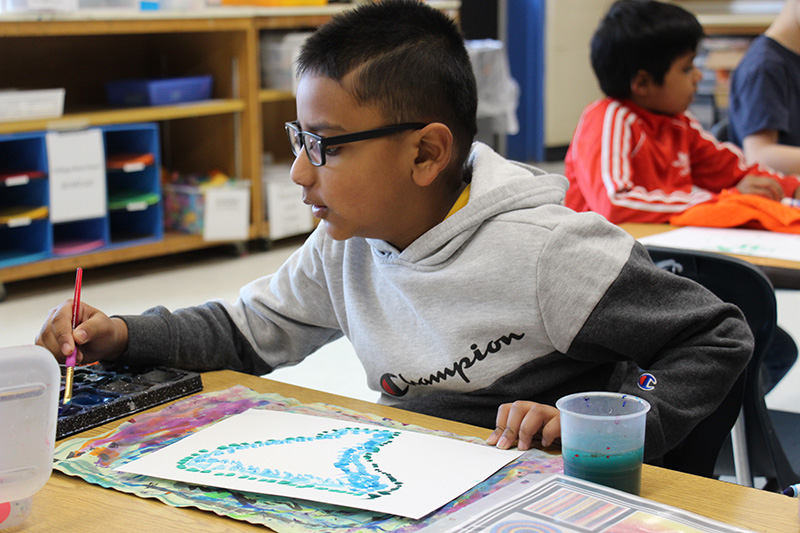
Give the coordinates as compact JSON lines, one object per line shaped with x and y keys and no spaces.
{"x":326,"y":460}
{"x":77,"y":175}
{"x":735,"y":241}
{"x":227,"y":214}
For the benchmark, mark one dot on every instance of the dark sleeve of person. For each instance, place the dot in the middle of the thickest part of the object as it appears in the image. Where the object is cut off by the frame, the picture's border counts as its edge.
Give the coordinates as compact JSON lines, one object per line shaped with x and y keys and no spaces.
{"x":759,"y":97}
{"x":197,"y":338}
{"x":693,"y":344}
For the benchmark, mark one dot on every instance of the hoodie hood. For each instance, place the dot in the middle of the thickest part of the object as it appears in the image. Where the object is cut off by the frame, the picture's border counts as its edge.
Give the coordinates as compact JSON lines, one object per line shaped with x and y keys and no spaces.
{"x":498,"y":186}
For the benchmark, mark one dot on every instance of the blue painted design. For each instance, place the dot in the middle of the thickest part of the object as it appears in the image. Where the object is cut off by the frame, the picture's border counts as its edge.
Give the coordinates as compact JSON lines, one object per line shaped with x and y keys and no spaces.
{"x":360,"y":474}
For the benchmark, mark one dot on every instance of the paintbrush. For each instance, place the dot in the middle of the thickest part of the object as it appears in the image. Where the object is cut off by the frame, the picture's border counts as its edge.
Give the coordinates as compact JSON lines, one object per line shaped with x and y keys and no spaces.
{"x":71,"y":358}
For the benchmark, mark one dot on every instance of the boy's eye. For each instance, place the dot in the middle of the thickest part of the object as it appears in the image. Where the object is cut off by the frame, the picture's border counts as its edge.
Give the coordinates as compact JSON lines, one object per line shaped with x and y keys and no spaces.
{"x":332,"y":150}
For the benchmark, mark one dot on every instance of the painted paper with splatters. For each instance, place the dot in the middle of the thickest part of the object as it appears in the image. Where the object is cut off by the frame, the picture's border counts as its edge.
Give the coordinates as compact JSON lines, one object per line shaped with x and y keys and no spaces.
{"x":96,"y":459}
{"x":378,"y":469}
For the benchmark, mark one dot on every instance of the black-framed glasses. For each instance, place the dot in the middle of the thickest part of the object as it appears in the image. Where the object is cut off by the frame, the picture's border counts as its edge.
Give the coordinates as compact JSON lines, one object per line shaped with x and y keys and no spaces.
{"x":315,"y":145}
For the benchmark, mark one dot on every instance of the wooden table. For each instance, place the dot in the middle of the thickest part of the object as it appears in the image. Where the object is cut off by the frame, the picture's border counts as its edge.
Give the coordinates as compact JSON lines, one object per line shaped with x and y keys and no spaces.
{"x":71,"y":504}
{"x":782,"y":272}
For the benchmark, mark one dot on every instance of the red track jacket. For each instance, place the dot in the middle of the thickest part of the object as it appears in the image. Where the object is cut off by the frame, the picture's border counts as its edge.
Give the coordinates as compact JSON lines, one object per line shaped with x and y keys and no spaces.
{"x":632,"y":165}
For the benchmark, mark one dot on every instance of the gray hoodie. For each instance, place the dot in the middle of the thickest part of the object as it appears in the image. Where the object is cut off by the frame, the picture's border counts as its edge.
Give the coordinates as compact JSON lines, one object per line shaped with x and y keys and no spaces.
{"x":512,"y":297}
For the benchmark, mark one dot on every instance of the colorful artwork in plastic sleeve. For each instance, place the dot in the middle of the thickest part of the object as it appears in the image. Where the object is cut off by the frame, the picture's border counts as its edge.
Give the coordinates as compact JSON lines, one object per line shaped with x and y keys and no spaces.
{"x":95,"y":460}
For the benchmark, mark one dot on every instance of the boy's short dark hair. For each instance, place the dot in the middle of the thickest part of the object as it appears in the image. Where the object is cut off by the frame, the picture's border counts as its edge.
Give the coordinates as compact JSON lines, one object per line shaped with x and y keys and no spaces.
{"x":640,"y":35}
{"x":412,"y":64}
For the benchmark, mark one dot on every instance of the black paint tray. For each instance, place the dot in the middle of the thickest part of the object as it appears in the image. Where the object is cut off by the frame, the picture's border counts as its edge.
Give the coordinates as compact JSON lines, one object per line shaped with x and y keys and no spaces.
{"x":105,"y":392}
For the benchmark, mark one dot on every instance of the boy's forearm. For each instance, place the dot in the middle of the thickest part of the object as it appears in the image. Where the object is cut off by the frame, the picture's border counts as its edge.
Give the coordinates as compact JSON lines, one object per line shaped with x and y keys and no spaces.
{"x":781,"y":157}
{"x":198,"y":338}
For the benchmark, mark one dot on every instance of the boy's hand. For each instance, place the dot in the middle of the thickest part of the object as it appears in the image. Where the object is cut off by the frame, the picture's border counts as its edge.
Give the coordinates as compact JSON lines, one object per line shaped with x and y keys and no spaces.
{"x":522,"y":421}
{"x":97,"y":336}
{"x":760,"y":186}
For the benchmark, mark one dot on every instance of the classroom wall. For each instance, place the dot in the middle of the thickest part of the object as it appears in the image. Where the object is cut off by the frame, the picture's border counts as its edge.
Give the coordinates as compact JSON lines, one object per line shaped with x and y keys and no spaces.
{"x":548,"y":47}
{"x":569,"y":83}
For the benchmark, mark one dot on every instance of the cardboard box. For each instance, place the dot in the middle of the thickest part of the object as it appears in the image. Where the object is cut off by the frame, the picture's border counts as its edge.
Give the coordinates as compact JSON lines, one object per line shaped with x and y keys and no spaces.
{"x":30,"y":105}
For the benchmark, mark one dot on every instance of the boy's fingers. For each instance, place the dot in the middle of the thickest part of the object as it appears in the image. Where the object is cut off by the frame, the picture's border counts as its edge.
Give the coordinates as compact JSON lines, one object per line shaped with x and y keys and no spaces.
{"x":494,"y":437}
{"x":507,"y":439}
{"x":47,"y":338}
{"x":766,"y":187}
{"x":520,"y":422}
{"x":58,"y":336}
{"x":776,"y":188}
{"x":80,"y":335}
{"x":516,"y":415}
{"x":551,"y":431}
{"x":61,"y":328}
{"x":772,"y":190}
{"x":500,"y":424}
{"x":532,"y":424}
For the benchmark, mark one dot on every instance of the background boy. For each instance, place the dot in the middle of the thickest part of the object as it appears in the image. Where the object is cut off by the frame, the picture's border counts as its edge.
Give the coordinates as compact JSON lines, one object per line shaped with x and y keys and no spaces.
{"x":636,"y":155}
{"x":765,"y":95}
{"x":457,"y":276}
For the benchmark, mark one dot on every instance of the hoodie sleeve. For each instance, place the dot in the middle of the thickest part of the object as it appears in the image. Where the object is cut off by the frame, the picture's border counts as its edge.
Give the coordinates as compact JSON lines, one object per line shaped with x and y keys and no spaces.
{"x":197,"y":338}
{"x":277,"y":321}
{"x":694,"y":345}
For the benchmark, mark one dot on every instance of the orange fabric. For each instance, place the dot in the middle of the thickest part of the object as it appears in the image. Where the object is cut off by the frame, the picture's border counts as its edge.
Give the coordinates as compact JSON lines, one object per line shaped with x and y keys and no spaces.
{"x":734,"y":210}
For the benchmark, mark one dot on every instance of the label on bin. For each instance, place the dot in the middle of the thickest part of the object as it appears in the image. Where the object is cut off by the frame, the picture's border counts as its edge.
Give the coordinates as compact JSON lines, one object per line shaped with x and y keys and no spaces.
{"x":133,"y":167}
{"x":136,"y":206}
{"x":77,"y":175}
{"x":19,"y":222}
{"x":17,"y":180}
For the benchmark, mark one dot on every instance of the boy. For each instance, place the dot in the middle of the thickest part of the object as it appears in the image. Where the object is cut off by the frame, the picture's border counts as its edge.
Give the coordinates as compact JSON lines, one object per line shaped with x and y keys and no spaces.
{"x":459,"y":280}
{"x":765,"y":95}
{"x":637,"y":156}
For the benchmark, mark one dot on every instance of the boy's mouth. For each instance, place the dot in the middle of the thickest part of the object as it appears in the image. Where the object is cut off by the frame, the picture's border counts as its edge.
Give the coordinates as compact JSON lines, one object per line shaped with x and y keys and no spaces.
{"x":317,"y":210}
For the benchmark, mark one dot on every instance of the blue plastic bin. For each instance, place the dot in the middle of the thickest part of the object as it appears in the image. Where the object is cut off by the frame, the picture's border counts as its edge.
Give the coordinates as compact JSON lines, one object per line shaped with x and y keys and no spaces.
{"x":145,"y":92}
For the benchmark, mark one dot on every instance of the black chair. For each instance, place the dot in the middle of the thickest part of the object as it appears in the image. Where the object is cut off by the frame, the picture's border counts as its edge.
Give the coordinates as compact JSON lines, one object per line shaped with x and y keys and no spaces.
{"x":754,"y":448}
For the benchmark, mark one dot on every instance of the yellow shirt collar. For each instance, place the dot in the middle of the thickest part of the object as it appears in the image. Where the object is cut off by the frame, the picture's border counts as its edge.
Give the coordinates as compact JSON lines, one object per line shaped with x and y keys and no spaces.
{"x":463,"y":198}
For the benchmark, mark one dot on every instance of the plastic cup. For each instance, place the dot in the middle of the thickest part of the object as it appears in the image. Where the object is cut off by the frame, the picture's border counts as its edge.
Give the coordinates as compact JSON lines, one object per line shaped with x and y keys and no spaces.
{"x":29,"y":387}
{"x":602,"y":438}
{"x":15,"y":513}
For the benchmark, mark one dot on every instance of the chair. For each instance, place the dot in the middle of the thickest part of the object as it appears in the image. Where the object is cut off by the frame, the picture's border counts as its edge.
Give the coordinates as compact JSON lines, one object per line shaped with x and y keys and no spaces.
{"x":755,"y":448}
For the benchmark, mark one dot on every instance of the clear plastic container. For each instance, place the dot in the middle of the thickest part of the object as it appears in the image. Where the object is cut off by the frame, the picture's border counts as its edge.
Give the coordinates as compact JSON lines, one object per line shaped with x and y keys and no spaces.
{"x":30,"y":383}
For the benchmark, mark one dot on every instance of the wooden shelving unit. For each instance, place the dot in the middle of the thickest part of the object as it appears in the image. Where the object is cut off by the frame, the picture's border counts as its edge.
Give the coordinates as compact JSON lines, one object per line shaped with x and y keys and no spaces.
{"x":81,"y":51}
{"x":732,"y":17}
{"x":79,"y":120}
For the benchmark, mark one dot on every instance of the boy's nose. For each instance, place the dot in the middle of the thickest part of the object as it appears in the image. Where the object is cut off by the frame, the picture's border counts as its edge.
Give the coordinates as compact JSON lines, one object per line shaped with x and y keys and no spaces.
{"x":303,"y":172}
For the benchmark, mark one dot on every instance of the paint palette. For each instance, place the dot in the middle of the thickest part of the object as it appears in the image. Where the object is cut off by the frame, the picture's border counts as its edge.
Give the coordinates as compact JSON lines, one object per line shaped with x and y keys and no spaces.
{"x":105,"y":392}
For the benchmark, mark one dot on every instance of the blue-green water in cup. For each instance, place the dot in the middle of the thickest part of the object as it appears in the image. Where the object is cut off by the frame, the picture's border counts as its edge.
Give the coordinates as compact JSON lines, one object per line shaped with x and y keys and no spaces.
{"x":621,"y":471}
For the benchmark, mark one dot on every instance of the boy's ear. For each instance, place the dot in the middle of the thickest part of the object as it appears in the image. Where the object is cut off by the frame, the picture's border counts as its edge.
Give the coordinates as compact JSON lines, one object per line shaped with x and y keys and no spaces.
{"x":433,"y":153}
{"x":640,"y":83}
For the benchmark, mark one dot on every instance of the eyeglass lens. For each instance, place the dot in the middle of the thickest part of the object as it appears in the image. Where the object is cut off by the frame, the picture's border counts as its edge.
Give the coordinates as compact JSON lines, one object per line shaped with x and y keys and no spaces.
{"x":297,"y":139}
